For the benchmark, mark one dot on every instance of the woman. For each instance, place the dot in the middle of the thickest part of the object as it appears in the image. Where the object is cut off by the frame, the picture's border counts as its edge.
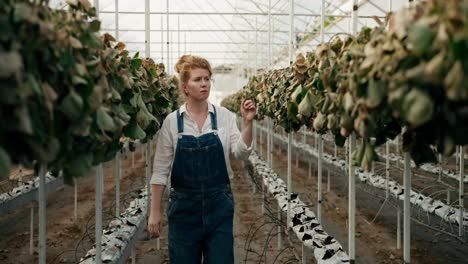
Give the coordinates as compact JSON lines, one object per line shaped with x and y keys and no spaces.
{"x":193,"y":147}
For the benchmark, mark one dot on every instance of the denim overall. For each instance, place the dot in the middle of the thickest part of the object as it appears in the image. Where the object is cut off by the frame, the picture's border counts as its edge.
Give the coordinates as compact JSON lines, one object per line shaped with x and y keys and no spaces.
{"x":201,"y":206}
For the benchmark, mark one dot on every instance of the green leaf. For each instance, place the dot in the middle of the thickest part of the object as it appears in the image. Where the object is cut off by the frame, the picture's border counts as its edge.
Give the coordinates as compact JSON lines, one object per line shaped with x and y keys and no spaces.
{"x":95,"y":26}
{"x":78,"y":165}
{"x":421,"y":36}
{"x":104,"y":120}
{"x":22,"y":11}
{"x":375,"y":93}
{"x":72,"y":105}
{"x":134,"y":131}
{"x":5,"y":164}
{"x":78,"y":80}
{"x":10,"y":63}
{"x":136,"y":63}
{"x":417,"y":107}
{"x":306,"y":106}
{"x":33,"y":84}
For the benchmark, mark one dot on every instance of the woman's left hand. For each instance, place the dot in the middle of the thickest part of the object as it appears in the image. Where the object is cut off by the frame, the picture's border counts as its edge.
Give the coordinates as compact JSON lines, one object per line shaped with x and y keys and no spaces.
{"x":248,"y":110}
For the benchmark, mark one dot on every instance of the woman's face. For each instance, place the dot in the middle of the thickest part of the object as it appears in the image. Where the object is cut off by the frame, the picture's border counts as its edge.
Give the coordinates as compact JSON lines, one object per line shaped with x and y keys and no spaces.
{"x":198,"y":85}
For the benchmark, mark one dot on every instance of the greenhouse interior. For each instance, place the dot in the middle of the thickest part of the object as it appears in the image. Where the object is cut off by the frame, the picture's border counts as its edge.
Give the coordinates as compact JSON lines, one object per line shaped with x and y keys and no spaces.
{"x":233,"y":131}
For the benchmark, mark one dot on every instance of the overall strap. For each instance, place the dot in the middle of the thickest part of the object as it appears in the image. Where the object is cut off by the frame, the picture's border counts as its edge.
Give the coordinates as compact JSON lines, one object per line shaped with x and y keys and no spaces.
{"x":180,"y":122}
{"x":214,"y":124}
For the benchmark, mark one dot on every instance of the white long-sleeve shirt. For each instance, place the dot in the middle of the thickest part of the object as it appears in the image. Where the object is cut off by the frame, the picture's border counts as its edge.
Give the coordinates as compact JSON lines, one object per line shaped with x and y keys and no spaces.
{"x":228,"y":133}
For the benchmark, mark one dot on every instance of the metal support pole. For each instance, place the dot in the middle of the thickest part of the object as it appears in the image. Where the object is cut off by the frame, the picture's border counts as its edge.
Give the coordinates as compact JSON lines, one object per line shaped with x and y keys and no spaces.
{"x":167,"y":35}
{"x":75,"y":198}
{"x":133,"y":257}
{"x":133,"y":158}
{"x":42,"y":214}
{"x":304,"y":254}
{"x":31,"y":233}
{"x":319,"y":184}
{"x":162,"y":41}
{"x":398,"y":227}
{"x":441,"y":168}
{"x":147,"y":29}
{"x":310,"y":168}
{"x":335,"y":151}
{"x":461,"y":191}
{"x":178,"y":36}
{"x":117,"y":37}
{"x":352,"y":202}
{"x":297,"y":159}
{"x":387,"y":169}
{"x":148,"y":176}
{"x":289,"y":184}
{"x":448,"y":196}
{"x":351,"y":178}
{"x":267,"y":134}
{"x":98,"y":212}
{"x":21,"y":174}
{"x":261,"y":141}
{"x":406,"y":210}
{"x":280,"y":229}
{"x":118,"y":173}
{"x":304,"y":135}
{"x":328,"y":181}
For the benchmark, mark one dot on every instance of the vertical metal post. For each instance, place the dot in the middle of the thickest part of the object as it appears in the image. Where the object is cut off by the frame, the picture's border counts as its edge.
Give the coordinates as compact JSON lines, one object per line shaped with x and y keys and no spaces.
{"x":31,"y":233}
{"x":269,"y":35}
{"x":261,"y":140}
{"x":75,"y":200}
{"x":406,"y":210}
{"x":21,"y":174}
{"x":148,"y":176}
{"x":133,"y":159}
{"x":297,"y":159}
{"x":280,"y":229}
{"x":270,"y":143}
{"x":117,"y":37}
{"x":387,"y":169}
{"x":310,"y":168}
{"x":335,"y":150}
{"x":304,"y":135}
{"x":133,"y":257}
{"x":461,"y":191}
{"x":351,"y":202}
{"x":289,"y":185}
{"x":167,"y":36}
{"x":147,"y":29}
{"x":42,"y":214}
{"x":118,"y":174}
{"x":441,"y":168}
{"x":162,"y":41}
{"x":98,"y":213}
{"x":328,"y":181}
{"x":448,"y":196}
{"x":398,"y":226}
{"x":304,"y":254}
{"x":96,"y":5}
{"x":319,"y":184}
{"x":178,"y":36}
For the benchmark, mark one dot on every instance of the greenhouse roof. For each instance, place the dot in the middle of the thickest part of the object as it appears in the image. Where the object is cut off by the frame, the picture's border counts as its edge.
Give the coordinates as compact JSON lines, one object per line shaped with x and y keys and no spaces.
{"x":226,"y":31}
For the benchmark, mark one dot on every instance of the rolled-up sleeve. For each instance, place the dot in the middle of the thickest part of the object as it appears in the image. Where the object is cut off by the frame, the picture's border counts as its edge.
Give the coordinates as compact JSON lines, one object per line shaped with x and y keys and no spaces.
{"x":238,"y":146}
{"x":164,"y":154}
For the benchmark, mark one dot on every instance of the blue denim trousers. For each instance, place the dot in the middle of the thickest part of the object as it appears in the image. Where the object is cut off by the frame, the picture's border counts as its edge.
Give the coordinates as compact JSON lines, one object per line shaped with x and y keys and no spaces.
{"x":200,"y":226}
